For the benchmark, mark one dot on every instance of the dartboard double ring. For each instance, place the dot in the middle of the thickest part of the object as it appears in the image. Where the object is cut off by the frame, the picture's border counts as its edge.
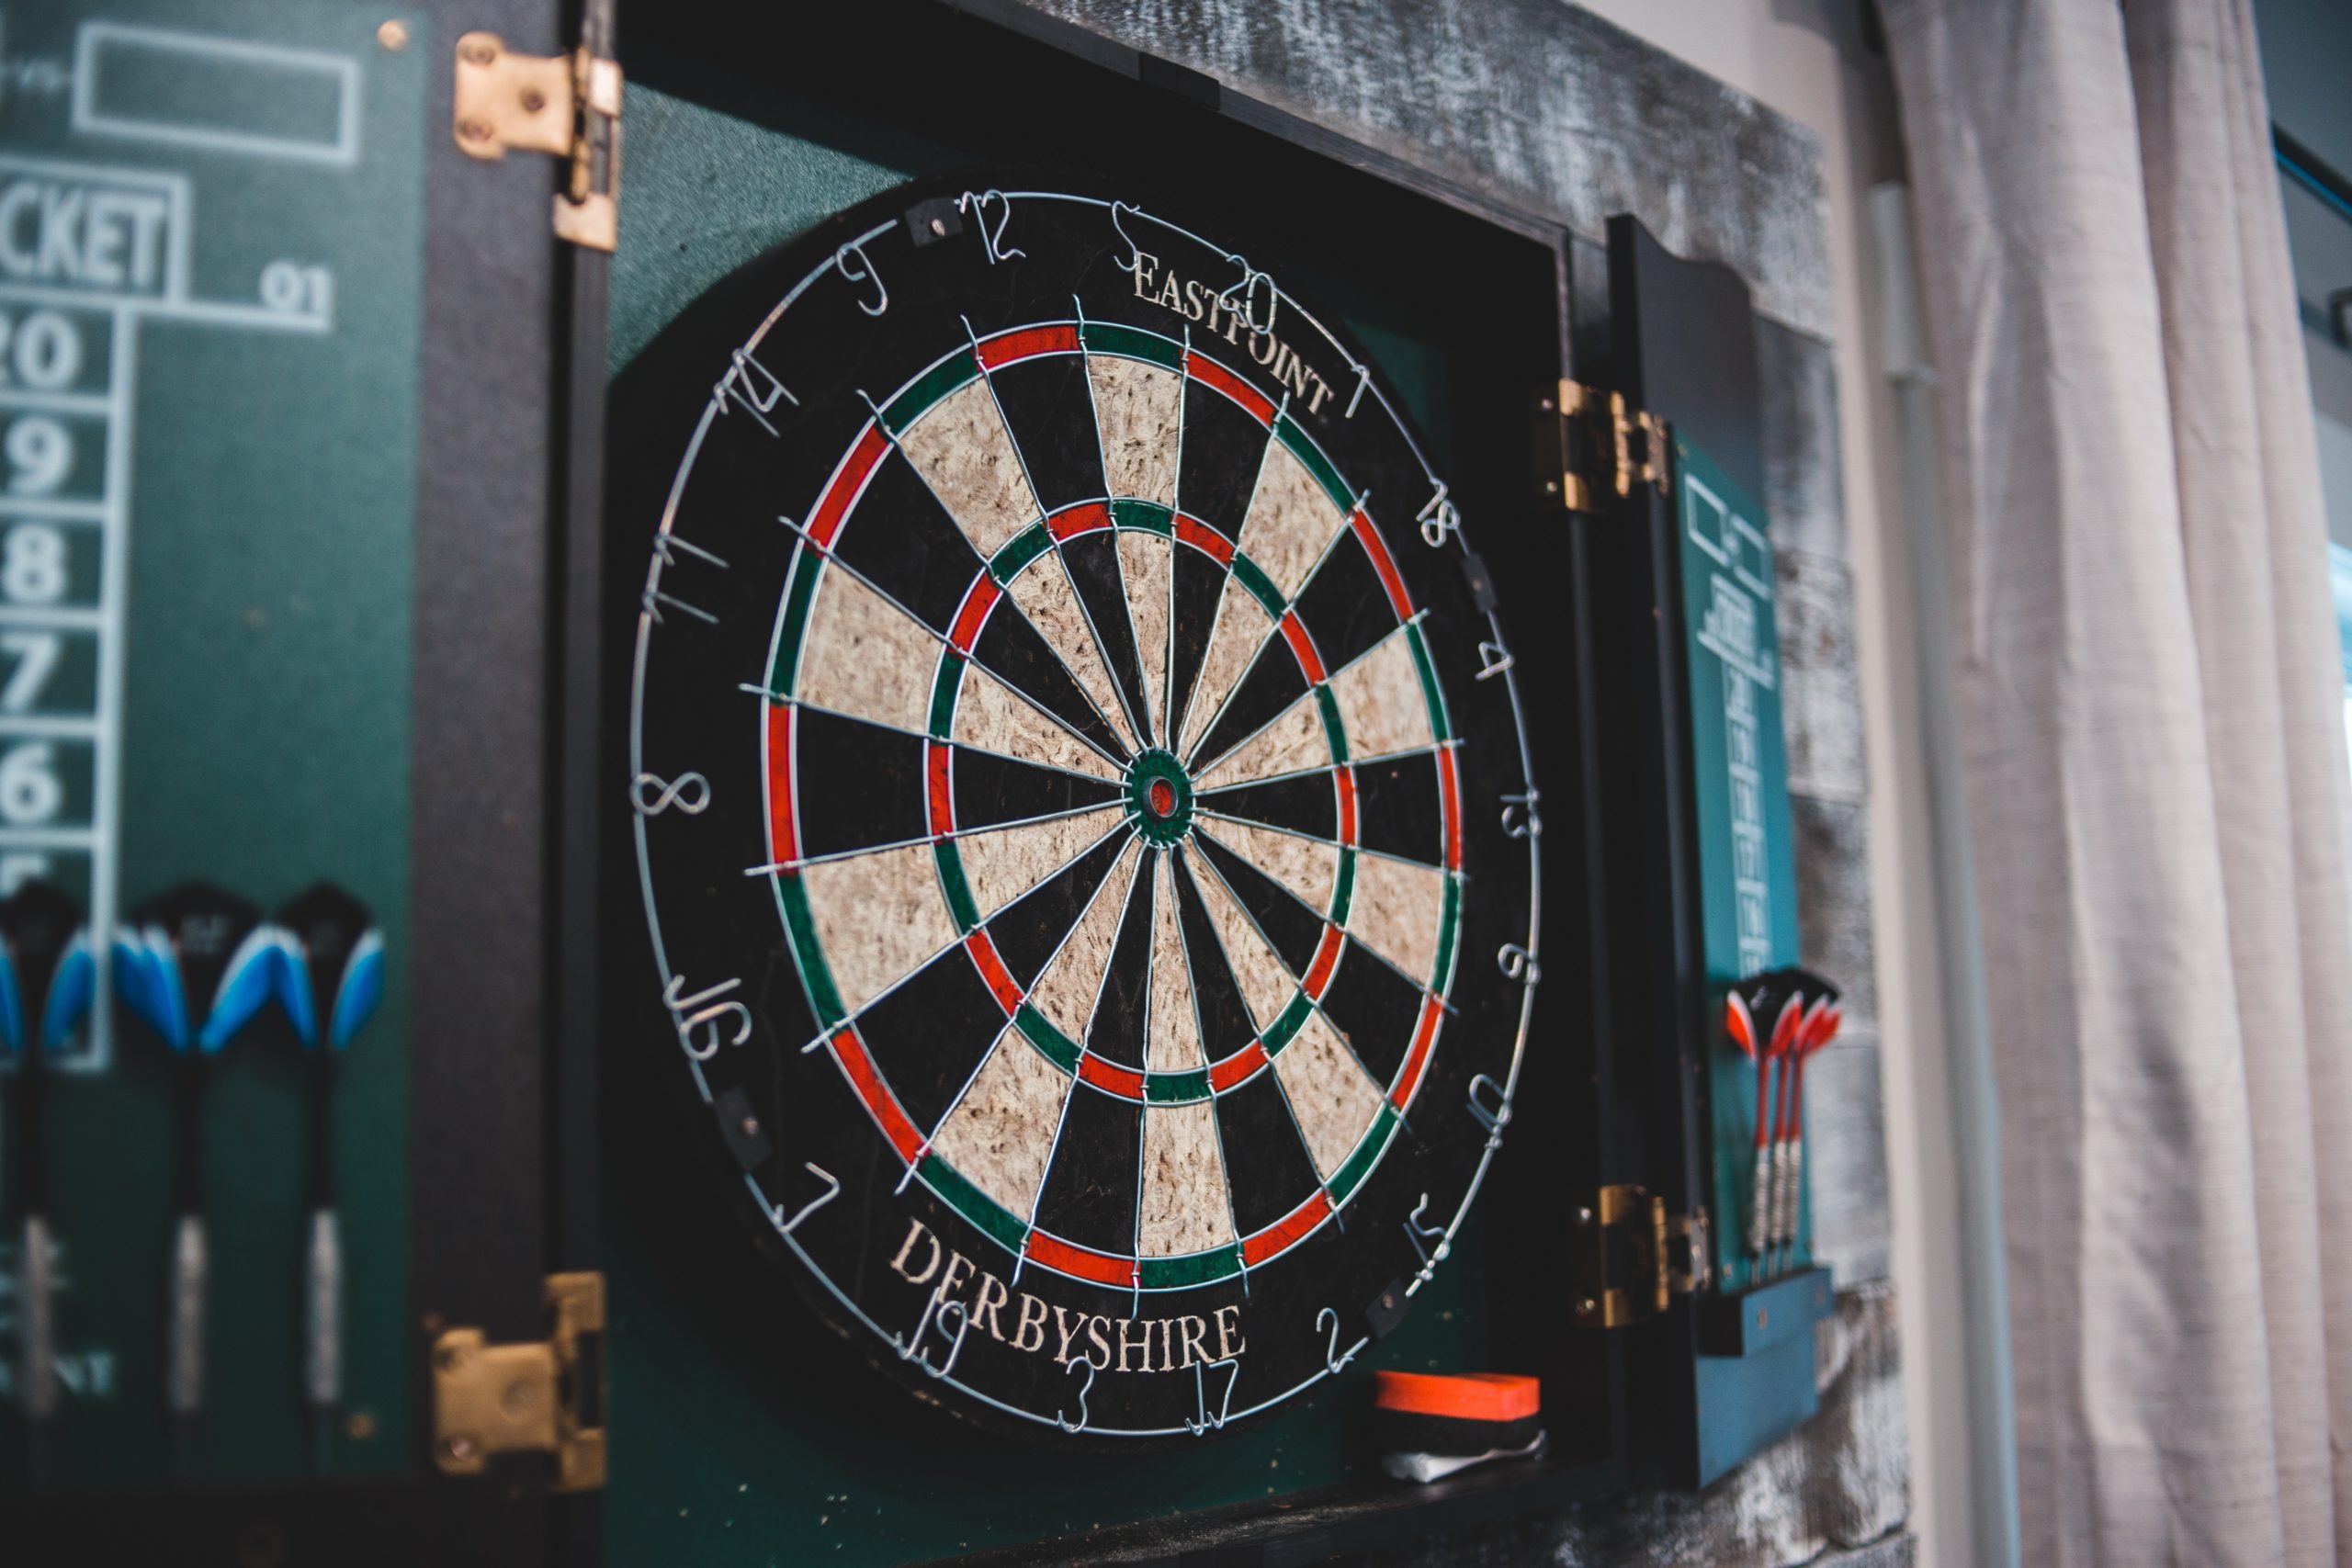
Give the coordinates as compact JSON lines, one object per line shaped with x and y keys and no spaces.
{"x":1080,"y":806}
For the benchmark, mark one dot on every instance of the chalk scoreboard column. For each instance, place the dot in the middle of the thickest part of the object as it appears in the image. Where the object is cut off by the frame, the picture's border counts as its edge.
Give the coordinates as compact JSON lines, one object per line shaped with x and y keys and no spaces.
{"x":211,"y":286}
{"x":88,"y":254}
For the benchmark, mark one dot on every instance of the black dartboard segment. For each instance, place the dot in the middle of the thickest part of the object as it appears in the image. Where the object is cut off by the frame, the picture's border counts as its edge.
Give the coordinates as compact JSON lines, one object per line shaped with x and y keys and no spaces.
{"x":1067,"y":771}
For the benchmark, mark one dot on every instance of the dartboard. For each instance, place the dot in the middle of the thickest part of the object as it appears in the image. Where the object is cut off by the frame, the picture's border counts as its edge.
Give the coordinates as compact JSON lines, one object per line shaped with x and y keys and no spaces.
{"x":1080,"y":801}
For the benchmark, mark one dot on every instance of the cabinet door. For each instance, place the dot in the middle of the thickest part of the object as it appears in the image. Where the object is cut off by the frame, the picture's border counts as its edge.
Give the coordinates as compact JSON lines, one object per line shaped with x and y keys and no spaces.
{"x":282,"y":567}
{"x":1712,"y":872}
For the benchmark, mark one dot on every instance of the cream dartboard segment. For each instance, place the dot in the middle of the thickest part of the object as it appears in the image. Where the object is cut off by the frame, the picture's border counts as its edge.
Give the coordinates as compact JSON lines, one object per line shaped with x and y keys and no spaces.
{"x":1067,"y":803}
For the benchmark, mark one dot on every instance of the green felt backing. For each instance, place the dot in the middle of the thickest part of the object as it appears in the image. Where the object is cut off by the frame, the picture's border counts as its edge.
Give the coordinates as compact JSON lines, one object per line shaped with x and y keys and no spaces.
{"x":730,"y":1448}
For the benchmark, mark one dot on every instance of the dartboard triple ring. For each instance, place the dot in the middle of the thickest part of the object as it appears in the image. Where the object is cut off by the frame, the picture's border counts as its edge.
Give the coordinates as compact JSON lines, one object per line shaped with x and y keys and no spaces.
{"x":1080,"y":804}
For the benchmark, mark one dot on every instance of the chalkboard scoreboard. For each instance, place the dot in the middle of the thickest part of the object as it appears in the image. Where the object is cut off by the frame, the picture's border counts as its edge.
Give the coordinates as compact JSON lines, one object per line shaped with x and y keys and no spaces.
{"x":903,"y":874}
{"x":210,"y":278}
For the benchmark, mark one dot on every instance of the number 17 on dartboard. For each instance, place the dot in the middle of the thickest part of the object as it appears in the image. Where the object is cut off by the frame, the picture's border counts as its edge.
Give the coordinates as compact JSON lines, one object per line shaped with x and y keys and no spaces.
{"x":58,"y":519}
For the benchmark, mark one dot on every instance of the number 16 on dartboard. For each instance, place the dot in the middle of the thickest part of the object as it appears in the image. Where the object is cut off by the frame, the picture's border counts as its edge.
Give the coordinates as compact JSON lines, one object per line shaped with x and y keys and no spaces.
{"x":59,"y":512}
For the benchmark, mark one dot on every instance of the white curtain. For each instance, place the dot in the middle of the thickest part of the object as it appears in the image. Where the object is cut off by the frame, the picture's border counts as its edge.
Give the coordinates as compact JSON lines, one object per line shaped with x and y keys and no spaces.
{"x":2153,"y":747}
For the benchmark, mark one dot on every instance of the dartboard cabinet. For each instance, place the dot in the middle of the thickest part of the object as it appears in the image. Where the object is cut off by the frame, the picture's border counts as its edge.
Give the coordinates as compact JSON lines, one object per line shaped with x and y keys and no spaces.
{"x":1085,"y":760}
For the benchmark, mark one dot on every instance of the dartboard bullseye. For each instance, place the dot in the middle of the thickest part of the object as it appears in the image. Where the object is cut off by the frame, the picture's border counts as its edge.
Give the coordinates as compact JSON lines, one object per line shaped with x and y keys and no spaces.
{"x":1069,"y":754}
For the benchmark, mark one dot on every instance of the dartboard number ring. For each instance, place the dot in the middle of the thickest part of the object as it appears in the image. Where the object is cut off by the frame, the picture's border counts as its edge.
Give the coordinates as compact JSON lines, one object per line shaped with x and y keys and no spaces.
{"x":1058,"y":772}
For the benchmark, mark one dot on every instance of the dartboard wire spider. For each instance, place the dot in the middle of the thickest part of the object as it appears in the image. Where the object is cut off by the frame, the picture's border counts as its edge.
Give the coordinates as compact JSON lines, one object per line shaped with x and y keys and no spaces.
{"x":1008,"y":602}
{"x":850,"y":1019}
{"x":1177,"y":730}
{"x":1341,"y":539}
{"x":1212,"y":816}
{"x":1010,"y":1037}
{"x":1147,"y":886}
{"x":1241,"y":906}
{"x":833,"y":857}
{"x":833,"y":562}
{"x":1138,"y":724}
{"x":1180,"y":868}
{"x":1156,"y":719}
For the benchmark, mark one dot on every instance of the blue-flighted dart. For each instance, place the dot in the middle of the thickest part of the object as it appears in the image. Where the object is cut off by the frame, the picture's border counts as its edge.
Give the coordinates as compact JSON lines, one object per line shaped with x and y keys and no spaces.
{"x":201,"y":942}
{"x":329,"y":979}
{"x":46,"y":984}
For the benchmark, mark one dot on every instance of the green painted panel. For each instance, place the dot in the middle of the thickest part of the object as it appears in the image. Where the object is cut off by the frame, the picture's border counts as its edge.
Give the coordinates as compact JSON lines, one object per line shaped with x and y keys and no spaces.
{"x":231,"y":701}
{"x":1740,"y":772}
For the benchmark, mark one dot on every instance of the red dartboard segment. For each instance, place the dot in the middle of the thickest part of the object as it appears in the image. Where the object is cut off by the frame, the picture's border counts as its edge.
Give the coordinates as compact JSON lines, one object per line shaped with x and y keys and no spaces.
{"x":782,"y":850}
{"x":1382,"y":562}
{"x":1343,"y":783}
{"x":973,"y":614}
{"x":857,"y":1064}
{"x":848,"y":483}
{"x":1239,"y":1067}
{"x":1205,"y":539}
{"x":1409,"y":1077}
{"x":1287,"y":1232}
{"x":1072,"y":521}
{"x":1001,"y":983}
{"x":1111,"y":1078}
{"x":1327,"y":958}
{"x":1301,"y":647}
{"x":1450,"y":800}
{"x":1208,"y":372}
{"x":1028,"y":343}
{"x":940,"y":787}
{"x":1085,"y":1263}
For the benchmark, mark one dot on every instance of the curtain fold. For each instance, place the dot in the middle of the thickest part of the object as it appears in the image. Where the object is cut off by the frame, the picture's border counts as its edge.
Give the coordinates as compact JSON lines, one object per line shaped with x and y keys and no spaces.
{"x":2153,"y":748}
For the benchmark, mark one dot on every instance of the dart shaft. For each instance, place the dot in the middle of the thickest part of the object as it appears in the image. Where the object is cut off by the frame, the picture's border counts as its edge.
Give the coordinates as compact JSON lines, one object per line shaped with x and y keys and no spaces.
{"x":184,"y":1348}
{"x":35,"y":1322}
{"x":322,"y":1367}
{"x":1795,"y":1186}
{"x":1758,"y":1201}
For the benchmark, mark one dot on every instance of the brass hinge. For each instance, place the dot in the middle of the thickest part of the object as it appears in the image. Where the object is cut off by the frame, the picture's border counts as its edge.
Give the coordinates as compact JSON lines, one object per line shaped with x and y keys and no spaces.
{"x":565,"y":105}
{"x":1631,"y":1258}
{"x":1590,"y":447}
{"x":545,"y":1396}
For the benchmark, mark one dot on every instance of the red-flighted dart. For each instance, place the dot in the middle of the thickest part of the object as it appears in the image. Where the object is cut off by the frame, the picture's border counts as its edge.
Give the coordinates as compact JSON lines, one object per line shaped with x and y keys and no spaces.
{"x":1741,"y":1025}
{"x":1787,"y":1025}
{"x":1763,"y":996}
{"x":1820,"y":1027}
